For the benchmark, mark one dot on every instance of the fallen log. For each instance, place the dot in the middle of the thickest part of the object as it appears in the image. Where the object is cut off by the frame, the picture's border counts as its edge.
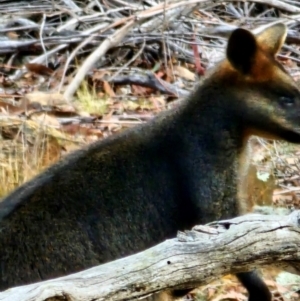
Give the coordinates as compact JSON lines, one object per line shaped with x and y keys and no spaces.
{"x":192,"y":259}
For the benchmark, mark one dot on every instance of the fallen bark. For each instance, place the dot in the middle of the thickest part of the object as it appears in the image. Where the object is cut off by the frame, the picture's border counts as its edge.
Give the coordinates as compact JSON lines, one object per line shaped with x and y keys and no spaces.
{"x":192,"y":259}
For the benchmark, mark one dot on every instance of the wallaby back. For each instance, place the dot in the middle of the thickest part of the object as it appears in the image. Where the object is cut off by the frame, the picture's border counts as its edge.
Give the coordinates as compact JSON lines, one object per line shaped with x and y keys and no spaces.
{"x":133,"y":190}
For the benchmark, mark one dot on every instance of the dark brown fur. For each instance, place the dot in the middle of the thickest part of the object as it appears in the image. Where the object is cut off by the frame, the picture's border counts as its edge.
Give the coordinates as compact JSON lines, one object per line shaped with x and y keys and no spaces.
{"x":136,"y":189}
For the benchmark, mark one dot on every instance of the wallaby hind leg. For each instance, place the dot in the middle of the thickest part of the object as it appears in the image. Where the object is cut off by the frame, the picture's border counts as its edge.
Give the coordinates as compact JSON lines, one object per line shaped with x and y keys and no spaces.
{"x":257,"y":289}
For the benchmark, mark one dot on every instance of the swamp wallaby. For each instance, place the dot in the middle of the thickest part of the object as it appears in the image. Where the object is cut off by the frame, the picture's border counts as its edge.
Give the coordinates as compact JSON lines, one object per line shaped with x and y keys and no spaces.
{"x":135,"y":189}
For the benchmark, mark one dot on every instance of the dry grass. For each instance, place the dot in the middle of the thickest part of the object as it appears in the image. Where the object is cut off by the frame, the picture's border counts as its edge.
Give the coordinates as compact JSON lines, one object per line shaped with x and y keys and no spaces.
{"x":27,"y":149}
{"x":88,"y":101}
{"x":20,"y":161}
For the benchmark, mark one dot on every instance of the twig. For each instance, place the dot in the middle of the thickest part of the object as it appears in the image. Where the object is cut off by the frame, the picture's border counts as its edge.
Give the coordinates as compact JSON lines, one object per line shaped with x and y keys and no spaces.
{"x":95,"y":56}
{"x":128,"y":63}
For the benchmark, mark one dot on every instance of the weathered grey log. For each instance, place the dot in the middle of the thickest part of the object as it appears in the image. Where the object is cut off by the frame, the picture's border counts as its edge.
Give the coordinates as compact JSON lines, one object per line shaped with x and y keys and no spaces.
{"x":193,"y":258}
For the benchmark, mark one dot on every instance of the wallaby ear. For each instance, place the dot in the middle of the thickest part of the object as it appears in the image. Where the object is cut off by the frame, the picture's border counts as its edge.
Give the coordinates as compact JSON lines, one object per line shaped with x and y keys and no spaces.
{"x":241,"y":50}
{"x":272,"y":38}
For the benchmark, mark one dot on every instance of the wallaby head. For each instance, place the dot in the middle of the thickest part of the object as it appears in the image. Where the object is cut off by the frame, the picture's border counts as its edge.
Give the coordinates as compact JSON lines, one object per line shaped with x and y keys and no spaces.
{"x":261,"y":92}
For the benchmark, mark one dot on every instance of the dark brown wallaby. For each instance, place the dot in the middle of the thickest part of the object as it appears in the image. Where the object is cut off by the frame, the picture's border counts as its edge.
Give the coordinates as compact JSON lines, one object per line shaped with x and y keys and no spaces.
{"x":133,"y":190}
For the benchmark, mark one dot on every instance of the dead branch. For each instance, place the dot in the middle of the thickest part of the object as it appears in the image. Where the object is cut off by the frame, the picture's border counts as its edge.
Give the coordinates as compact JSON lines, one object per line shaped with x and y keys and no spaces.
{"x":149,"y":80}
{"x":174,"y":10}
{"x":86,"y":25}
{"x":96,"y":55}
{"x":193,"y":258}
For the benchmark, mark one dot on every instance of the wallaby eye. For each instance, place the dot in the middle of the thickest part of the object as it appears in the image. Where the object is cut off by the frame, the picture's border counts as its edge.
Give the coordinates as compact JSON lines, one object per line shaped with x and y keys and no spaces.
{"x":287,"y":101}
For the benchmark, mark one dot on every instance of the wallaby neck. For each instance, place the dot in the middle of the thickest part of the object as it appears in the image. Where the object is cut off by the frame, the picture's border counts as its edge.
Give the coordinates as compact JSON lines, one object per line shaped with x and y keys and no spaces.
{"x":206,"y":141}
{"x":209,"y":117}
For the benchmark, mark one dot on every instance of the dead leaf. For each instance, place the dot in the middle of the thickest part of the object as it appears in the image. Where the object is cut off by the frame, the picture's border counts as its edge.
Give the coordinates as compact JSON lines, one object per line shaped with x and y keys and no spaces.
{"x":184,"y":73}
{"x":8,"y":108}
{"x":232,"y":295}
{"x":47,"y":98}
{"x":70,"y":129}
{"x":39,"y":69}
{"x":12,"y":35}
{"x":46,"y":119}
{"x":139,"y":90}
{"x":108,"y":89}
{"x":67,"y":108}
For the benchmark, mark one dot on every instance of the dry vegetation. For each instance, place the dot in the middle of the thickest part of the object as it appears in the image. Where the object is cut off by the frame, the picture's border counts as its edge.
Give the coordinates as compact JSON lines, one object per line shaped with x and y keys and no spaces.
{"x":72,"y":72}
